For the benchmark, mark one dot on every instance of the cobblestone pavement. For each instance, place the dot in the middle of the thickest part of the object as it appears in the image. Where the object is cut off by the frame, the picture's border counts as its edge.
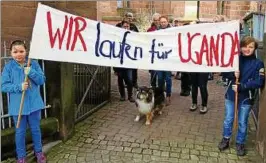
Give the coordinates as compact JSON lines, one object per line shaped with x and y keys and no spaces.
{"x":178,"y":135}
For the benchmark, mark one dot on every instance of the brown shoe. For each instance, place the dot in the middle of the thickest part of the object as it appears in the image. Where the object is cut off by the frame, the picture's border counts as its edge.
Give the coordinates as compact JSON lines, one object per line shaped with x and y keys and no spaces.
{"x":168,"y":101}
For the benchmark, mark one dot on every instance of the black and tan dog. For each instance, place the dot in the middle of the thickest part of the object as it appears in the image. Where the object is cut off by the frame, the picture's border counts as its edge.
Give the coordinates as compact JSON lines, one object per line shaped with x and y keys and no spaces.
{"x":149,"y":101}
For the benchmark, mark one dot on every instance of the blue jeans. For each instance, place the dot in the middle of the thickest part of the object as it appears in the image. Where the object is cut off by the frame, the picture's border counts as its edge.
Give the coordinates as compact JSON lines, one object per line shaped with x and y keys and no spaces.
{"x":243,"y":114}
{"x":165,"y":77}
{"x":33,"y":120}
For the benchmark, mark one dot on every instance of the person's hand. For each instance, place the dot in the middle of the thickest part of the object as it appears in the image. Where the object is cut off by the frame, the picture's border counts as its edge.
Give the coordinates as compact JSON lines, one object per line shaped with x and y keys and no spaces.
{"x":235,"y":87}
{"x":237,"y":74}
{"x":24,"y":86}
{"x":26,"y":70}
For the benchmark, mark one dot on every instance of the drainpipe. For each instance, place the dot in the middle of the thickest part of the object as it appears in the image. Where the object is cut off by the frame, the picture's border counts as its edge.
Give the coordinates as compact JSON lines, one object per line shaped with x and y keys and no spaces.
{"x":198,"y":8}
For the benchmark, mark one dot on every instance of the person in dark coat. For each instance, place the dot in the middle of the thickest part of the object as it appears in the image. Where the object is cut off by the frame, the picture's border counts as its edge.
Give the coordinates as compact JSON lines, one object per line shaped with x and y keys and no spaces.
{"x":124,"y":75}
{"x":251,"y":76}
{"x":185,"y":81}
{"x":199,"y":80}
{"x":129,"y":17}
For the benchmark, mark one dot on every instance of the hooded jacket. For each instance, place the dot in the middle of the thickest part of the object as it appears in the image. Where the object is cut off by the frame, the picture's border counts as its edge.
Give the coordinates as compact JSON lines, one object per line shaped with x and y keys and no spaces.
{"x":252,"y":76}
{"x":12,"y":79}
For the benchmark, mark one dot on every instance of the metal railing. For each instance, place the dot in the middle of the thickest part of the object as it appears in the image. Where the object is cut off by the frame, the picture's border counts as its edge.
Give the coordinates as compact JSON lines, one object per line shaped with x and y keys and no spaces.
{"x":92,"y":88}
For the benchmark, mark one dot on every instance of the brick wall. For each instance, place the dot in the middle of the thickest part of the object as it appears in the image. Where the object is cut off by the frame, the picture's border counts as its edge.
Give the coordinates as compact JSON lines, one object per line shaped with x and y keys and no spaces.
{"x":18,"y":17}
{"x":107,"y":8}
{"x":208,"y":9}
{"x":178,"y":9}
{"x":236,"y":9}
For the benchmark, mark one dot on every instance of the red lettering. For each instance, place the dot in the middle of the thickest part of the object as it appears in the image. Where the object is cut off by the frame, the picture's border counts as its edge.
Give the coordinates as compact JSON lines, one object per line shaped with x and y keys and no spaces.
{"x":214,"y":50}
{"x":77,"y":32}
{"x":211,"y":49}
{"x":203,"y":49}
{"x":69,"y":33}
{"x":57,"y":33}
{"x":190,"y":39}
{"x":180,"y":50}
{"x":234,"y":48}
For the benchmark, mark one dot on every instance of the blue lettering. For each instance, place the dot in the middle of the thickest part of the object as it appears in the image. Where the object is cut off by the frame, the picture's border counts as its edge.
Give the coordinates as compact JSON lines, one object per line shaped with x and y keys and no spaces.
{"x":154,"y":53}
{"x":124,"y":48}
{"x":98,"y":40}
{"x":136,"y":52}
{"x":113,"y":51}
{"x":110,"y":47}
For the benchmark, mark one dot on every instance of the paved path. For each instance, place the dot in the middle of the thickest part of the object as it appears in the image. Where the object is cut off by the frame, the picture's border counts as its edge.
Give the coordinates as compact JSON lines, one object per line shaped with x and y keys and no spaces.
{"x":178,"y":136}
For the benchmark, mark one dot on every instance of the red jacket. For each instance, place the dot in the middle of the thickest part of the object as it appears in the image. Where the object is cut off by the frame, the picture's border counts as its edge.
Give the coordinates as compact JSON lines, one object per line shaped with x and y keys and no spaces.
{"x":152,"y":28}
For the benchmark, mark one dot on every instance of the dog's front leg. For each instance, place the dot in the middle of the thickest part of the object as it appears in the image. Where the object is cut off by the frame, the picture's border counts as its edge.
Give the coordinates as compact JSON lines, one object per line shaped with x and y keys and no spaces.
{"x":148,"y":118}
{"x":160,"y":108}
{"x":137,"y":118}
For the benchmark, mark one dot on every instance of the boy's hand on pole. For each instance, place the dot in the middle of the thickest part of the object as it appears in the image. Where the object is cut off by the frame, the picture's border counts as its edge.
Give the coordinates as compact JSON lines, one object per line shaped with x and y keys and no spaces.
{"x":235,"y":87}
{"x":27,"y":70}
{"x":237,"y":74}
{"x":24,"y":86}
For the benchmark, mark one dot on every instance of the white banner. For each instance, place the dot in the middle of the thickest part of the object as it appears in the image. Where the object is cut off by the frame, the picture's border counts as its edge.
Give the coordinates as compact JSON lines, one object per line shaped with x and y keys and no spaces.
{"x":60,"y":36}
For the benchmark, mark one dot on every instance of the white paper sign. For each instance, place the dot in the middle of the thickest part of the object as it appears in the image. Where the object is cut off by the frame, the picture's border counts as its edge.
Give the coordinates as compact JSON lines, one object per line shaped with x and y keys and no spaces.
{"x":60,"y":36}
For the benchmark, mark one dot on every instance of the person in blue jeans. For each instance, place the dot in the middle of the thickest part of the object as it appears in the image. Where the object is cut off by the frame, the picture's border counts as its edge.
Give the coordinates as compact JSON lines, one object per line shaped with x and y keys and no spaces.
{"x":165,"y":76}
{"x":164,"y":79}
{"x":251,"y":76}
{"x":13,"y":83}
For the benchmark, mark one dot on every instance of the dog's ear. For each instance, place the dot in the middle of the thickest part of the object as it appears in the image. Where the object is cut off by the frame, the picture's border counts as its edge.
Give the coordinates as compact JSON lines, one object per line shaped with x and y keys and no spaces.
{"x":150,"y":90}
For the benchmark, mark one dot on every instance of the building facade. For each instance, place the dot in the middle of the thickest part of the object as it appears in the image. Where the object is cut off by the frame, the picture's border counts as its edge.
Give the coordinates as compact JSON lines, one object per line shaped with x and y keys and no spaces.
{"x":18,"y":17}
{"x":111,"y":11}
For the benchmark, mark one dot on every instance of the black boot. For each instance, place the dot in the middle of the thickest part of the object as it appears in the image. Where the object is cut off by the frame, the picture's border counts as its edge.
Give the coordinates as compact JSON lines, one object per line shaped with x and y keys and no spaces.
{"x":224,"y":144}
{"x":240,"y":149}
{"x":184,"y":93}
{"x":131,"y":99}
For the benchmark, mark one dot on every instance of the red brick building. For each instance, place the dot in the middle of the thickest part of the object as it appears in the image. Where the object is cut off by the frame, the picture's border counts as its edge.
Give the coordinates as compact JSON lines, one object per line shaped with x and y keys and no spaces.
{"x":18,"y":16}
{"x":110,"y":11}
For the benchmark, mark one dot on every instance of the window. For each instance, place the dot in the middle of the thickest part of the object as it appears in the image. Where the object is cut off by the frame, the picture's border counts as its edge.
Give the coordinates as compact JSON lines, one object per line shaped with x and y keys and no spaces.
{"x":119,"y":4}
{"x":123,"y":4}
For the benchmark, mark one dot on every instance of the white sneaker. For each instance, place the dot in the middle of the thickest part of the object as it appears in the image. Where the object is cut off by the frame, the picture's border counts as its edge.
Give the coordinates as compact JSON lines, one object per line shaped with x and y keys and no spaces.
{"x":193,"y":107}
{"x":203,"y":110}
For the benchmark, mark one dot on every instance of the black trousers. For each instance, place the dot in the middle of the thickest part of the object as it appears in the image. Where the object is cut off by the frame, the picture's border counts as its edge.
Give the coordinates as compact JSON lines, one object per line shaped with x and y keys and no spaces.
{"x":185,"y":81}
{"x":153,"y":78}
{"x":135,"y":77}
{"x":199,"y":80}
{"x":125,"y":76}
